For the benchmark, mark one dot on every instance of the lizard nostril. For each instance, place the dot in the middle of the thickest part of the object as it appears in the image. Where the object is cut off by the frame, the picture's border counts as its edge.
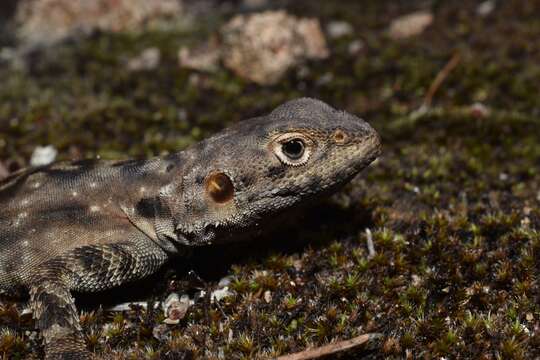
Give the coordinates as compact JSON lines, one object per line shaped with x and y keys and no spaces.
{"x":340,"y":137}
{"x":219,"y":187}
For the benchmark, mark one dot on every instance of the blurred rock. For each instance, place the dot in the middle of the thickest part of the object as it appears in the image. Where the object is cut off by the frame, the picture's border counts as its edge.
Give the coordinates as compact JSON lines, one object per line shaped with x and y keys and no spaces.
{"x":148,"y":59}
{"x":127,"y":306}
{"x":267,"y":296}
{"x":337,"y":29}
{"x":161,"y":332}
{"x":220,"y":293}
{"x":204,"y":57}
{"x":46,"y":21}
{"x":485,"y":8}
{"x":355,"y":47}
{"x":43,"y":155}
{"x":262,"y":47}
{"x":175,"y":308}
{"x":255,"y":4}
{"x":410,"y":25}
{"x":479,"y":110}
{"x":4,"y":171}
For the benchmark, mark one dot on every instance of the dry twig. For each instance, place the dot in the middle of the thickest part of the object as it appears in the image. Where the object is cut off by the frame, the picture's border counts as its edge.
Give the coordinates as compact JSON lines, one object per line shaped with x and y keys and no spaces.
{"x":441,"y":76}
{"x":330,"y":348}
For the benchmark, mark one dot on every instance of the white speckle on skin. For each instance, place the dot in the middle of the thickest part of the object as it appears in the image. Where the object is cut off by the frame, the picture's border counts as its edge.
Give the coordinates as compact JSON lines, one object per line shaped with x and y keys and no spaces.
{"x":94,"y":208}
{"x":93,"y":184}
{"x":24,"y":202}
{"x":74,"y":194}
{"x":36,"y":185}
{"x":142,"y":189}
{"x":25,"y":243}
{"x":166,"y":190}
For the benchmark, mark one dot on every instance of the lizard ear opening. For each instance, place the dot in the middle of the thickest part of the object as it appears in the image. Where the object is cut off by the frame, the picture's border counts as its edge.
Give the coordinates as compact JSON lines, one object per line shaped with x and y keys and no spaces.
{"x":219,"y":187}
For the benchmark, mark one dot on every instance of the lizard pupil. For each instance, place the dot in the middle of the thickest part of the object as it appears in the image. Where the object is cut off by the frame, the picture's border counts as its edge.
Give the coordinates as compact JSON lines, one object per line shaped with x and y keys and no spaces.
{"x":219,"y":187}
{"x":294,"y":149}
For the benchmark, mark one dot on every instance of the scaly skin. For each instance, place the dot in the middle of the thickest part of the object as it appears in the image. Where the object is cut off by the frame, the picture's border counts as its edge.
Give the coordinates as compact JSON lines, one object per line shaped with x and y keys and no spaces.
{"x":93,"y":225}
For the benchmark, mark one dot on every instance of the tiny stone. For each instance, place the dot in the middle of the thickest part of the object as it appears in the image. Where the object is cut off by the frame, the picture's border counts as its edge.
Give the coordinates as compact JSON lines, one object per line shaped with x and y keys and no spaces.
{"x":485,"y":8}
{"x":127,"y":306}
{"x":370,"y":245}
{"x":175,"y":308}
{"x":337,"y":29}
{"x":325,"y":79}
{"x":43,"y":155}
{"x":4,"y":172}
{"x":148,"y":59}
{"x":479,"y":110}
{"x":410,"y":25}
{"x":225,"y":281}
{"x":219,"y":294}
{"x":267,"y":296}
{"x":160,"y":332}
{"x":204,"y":57}
{"x":355,"y":46}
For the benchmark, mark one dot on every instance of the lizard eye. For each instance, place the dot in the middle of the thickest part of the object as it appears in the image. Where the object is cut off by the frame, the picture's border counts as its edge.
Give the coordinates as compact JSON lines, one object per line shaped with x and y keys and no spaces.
{"x":292,"y":149}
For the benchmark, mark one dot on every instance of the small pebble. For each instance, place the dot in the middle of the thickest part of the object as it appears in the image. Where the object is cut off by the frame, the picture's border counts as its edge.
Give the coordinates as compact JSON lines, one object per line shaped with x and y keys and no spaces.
{"x":485,"y":8}
{"x":410,"y":25}
{"x":267,"y":296}
{"x":355,"y":47}
{"x":175,"y":308}
{"x":148,"y":59}
{"x":43,"y":155}
{"x":337,"y":29}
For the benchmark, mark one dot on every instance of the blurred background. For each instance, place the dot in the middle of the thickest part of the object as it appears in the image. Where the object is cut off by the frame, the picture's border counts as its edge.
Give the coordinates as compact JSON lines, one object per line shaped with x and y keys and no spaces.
{"x":450,"y":211}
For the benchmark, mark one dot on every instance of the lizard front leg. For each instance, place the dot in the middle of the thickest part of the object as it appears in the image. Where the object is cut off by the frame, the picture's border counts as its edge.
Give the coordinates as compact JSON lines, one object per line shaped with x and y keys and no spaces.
{"x":88,"y":268}
{"x":56,"y":316}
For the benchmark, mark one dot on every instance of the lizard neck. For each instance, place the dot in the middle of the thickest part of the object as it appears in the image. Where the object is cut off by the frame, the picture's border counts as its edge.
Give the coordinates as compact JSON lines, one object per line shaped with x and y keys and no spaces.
{"x":142,"y":199}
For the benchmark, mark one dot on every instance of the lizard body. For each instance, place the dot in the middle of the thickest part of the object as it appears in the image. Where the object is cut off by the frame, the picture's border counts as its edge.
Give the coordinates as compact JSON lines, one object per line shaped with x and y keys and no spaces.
{"x":93,"y":225}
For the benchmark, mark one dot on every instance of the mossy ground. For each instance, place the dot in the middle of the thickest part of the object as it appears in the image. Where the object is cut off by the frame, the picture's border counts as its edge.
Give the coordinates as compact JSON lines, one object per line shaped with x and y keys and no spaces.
{"x":453,"y":203}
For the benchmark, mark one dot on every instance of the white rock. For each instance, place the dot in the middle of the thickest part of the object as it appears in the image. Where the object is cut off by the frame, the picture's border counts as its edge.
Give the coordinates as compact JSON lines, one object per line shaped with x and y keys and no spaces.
{"x":262,"y":47}
{"x":337,"y":29}
{"x":485,"y":8}
{"x":127,"y":306}
{"x":175,"y":308}
{"x":43,"y":155}
{"x":410,"y":25}
{"x":480,"y":110}
{"x":148,"y":59}
{"x":355,"y":46}
{"x":267,"y":296}
{"x":204,"y":57}
{"x":46,"y":21}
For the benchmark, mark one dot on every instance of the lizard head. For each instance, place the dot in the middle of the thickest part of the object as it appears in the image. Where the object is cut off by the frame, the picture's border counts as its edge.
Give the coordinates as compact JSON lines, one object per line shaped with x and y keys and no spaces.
{"x":235,"y":181}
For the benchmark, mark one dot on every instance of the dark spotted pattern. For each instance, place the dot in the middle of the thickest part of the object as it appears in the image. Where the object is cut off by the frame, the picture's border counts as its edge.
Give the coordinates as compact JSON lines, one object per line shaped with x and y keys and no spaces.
{"x":146,"y":207}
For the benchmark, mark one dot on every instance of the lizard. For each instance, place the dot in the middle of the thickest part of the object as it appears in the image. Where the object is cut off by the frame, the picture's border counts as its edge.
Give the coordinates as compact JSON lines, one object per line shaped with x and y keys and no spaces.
{"x":91,"y":225}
